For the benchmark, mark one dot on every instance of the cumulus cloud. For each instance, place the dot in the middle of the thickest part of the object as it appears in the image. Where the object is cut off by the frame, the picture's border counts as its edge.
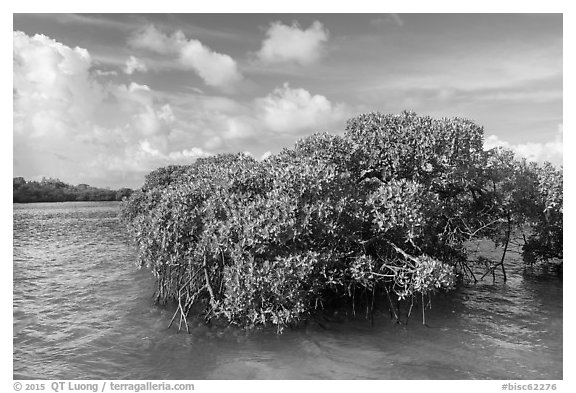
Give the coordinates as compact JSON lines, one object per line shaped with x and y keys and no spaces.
{"x":551,"y":151}
{"x":71,"y":124}
{"x":61,"y":109}
{"x":144,"y":156}
{"x":165,"y":113}
{"x":285,"y":43}
{"x":288,"y":110}
{"x":284,"y":114}
{"x":186,"y":155}
{"x":52,"y":84}
{"x":134,"y":64}
{"x":215,"y":69}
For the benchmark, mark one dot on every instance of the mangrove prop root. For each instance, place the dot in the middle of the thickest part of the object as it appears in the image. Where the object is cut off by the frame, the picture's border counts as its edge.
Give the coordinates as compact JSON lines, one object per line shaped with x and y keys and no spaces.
{"x":423,"y":312}
{"x":391,"y":304}
{"x":466,"y":269}
{"x":173,"y":317}
{"x":353,"y":302}
{"x":492,"y":269}
{"x":183,"y":310}
{"x":508,"y":232}
{"x":183,"y":316}
{"x":373,"y":296}
{"x":210,"y":291}
{"x":410,"y":309}
{"x":372,"y":306}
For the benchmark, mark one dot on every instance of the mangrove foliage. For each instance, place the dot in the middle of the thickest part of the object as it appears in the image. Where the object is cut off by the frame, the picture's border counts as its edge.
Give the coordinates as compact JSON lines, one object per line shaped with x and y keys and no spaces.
{"x":384,"y":210}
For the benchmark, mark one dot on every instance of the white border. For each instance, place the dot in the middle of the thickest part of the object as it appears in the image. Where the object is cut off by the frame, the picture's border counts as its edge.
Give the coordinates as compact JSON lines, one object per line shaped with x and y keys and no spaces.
{"x":300,"y":6}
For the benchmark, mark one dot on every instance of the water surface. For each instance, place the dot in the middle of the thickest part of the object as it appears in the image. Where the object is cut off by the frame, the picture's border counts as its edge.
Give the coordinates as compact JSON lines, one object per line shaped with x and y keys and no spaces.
{"x":82,"y":310}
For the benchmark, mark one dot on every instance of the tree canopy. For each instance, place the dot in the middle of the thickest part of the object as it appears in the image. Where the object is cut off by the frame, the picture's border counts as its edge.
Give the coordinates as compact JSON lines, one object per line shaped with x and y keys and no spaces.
{"x":385,"y":209}
{"x":54,"y":190}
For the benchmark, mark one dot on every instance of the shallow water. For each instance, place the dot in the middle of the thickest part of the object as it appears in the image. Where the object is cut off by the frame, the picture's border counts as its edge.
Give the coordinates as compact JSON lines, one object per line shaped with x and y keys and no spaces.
{"x":82,"y":310}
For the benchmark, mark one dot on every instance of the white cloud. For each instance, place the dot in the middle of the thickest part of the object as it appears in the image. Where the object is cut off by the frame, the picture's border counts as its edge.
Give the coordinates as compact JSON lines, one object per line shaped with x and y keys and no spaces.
{"x":288,"y":110}
{"x":153,"y":39}
{"x":279,"y":119}
{"x":52,"y":84}
{"x":214,"y":122}
{"x":143,"y":157}
{"x":172,"y":157}
{"x":68,"y":124}
{"x":134,"y":87}
{"x":215,"y":69}
{"x":552,"y":151}
{"x":106,"y":73}
{"x":187,"y":155}
{"x":147,"y":122}
{"x":165,"y":113}
{"x":134,"y":64}
{"x":71,"y":124}
{"x":292,"y":44}
{"x":492,"y":141}
{"x":133,"y":96}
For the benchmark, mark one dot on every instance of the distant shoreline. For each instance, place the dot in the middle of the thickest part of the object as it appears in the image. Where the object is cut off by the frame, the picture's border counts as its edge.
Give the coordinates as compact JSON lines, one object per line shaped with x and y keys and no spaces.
{"x":55,"y":190}
{"x":31,"y":203}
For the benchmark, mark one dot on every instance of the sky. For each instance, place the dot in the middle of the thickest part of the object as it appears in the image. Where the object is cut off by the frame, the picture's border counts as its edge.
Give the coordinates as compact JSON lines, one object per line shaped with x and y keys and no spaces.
{"x":103,"y":99}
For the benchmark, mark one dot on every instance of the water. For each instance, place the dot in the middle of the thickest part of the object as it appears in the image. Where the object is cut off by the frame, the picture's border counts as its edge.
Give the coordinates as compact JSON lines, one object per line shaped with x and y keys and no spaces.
{"x":83,"y":311}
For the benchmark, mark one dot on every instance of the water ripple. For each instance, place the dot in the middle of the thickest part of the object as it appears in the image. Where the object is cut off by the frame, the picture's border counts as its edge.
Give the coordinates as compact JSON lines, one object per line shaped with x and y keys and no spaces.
{"x":82,"y":311}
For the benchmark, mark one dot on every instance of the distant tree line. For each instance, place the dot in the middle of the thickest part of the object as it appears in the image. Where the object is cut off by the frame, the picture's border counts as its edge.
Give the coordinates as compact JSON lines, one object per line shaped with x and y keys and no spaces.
{"x":55,"y":190}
